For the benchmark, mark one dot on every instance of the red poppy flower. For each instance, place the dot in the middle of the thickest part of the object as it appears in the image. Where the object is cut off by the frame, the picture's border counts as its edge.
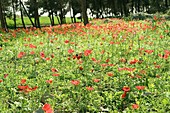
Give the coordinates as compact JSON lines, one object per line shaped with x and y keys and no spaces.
{"x":41,"y":43}
{"x":23,"y":87}
{"x":46,"y":107}
{"x":96,"y":80}
{"x":130,"y":69}
{"x":54,"y":70}
{"x":49,"y":81}
{"x":5,"y":75}
{"x":110,"y":74}
{"x":1,"y":80}
{"x":25,"y":45}
{"x":104,"y":65}
{"x":42,"y":54}
{"x":123,"y":95}
{"x":70,"y":51}
{"x":66,"y":41}
{"x":134,"y":61}
{"x":89,"y":88}
{"x":138,"y":76}
{"x":52,"y":55}
{"x":140,"y":87}
{"x":48,"y":58}
{"x":32,"y":52}
{"x":75,"y":82}
{"x":135,"y":106}
{"x":126,"y":89}
{"x":49,"y":111}
{"x":111,"y":42}
{"x":34,"y":88}
{"x":21,"y":54}
{"x":93,"y":59}
{"x":32,"y":46}
{"x":87,"y":52}
{"x":157,"y":66}
{"x":56,"y":74}
{"x":149,"y":51}
{"x":23,"y":81}
{"x":123,"y":60}
{"x":81,"y":68}
{"x":107,"y":60}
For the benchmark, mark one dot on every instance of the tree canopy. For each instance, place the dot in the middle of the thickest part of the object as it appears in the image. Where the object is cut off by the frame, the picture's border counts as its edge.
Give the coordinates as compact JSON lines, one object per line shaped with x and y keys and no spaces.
{"x":59,"y":8}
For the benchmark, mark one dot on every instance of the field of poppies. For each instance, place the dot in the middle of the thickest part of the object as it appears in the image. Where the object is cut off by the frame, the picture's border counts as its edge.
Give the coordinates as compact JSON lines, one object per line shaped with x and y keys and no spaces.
{"x":110,"y":65}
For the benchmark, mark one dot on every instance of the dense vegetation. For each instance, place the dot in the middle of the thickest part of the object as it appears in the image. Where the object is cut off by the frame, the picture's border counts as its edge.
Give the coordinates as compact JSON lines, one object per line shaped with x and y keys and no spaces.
{"x":109,"y":65}
{"x":58,"y":9}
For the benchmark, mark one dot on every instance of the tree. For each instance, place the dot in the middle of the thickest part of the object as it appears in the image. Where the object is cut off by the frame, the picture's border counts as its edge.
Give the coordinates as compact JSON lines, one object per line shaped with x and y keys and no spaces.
{"x":2,"y":16}
{"x":84,"y":12}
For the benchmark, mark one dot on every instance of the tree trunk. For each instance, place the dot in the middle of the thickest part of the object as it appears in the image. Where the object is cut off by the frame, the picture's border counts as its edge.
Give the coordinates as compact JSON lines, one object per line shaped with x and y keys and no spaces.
{"x":14,"y":14}
{"x":62,"y":18}
{"x":166,"y":3}
{"x":52,"y":18}
{"x":27,"y":14}
{"x":125,"y":8}
{"x":2,"y":18}
{"x":84,"y":12}
{"x":36,"y":15}
{"x":71,"y":16}
{"x":74,"y":15}
{"x":138,"y":6}
{"x":22,"y":18}
{"x":132,"y":7}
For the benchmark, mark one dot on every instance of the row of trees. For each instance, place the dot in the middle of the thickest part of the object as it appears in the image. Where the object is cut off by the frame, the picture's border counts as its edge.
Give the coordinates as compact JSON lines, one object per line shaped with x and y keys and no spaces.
{"x":59,"y":8}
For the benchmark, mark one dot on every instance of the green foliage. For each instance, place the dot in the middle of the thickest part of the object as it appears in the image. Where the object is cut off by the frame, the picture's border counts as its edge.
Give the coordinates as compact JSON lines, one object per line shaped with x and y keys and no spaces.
{"x":113,"y":66}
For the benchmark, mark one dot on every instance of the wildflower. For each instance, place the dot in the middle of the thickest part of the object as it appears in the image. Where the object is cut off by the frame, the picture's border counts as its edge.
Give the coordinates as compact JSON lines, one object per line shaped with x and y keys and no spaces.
{"x":104,"y":65}
{"x":111,"y":42}
{"x":110,"y":74}
{"x":47,"y":108}
{"x":140,"y":87}
{"x":21,"y":88}
{"x":54,"y":70}
{"x":107,"y":60}
{"x":1,"y":80}
{"x":81,"y":68}
{"x":134,"y":61}
{"x":70,"y":51}
{"x":157,"y":66}
{"x":34,"y":88}
{"x":5,"y":75}
{"x":96,"y":80}
{"x":123,"y":95}
{"x":89,"y":88}
{"x":66,"y":41}
{"x":87,"y":52}
{"x":138,"y":76}
{"x":48,"y":58}
{"x":126,"y":89}
{"x":52,"y":55}
{"x":26,"y":88}
{"x":42,"y":54}
{"x":93,"y":59}
{"x":135,"y":106}
{"x":49,"y":81}
{"x":21,"y":54}
{"x":56,"y":74}
{"x":149,"y":51}
{"x":32,"y":52}
{"x":32,"y":46}
{"x":75,"y":82}
{"x":23,"y":81}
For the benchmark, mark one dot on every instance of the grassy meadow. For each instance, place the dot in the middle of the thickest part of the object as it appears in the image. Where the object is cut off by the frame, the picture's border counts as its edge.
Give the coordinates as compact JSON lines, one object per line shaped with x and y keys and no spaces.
{"x":44,"y":21}
{"x":109,"y":65}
